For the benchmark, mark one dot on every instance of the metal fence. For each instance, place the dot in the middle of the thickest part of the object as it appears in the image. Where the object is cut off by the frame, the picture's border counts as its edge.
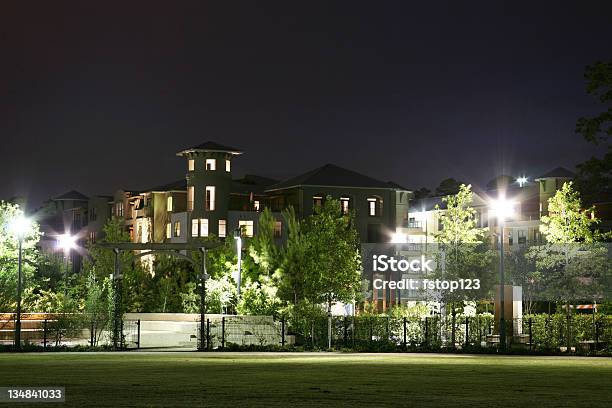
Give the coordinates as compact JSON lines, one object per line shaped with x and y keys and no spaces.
{"x":220,"y":332}
{"x":379,"y":332}
{"x":65,"y":329}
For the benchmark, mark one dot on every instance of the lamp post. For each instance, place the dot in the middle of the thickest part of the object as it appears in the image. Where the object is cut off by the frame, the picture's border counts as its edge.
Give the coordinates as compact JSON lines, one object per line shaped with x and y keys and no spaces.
{"x":66,"y":243}
{"x":20,"y":228}
{"x":398,"y":238}
{"x":502,"y":209}
{"x":238,"y":238}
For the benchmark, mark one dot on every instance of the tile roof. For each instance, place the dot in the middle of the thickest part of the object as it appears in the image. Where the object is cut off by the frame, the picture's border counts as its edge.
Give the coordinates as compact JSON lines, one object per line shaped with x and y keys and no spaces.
{"x":211,"y":146}
{"x":72,"y":195}
{"x":331,"y":175}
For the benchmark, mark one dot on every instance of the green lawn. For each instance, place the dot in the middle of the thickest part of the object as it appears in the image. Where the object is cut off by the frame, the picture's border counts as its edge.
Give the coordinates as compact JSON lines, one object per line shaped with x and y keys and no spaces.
{"x":305,"y":379}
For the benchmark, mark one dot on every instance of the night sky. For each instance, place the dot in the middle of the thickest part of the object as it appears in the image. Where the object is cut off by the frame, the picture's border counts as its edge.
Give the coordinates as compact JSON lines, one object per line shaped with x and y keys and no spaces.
{"x":97,"y":96}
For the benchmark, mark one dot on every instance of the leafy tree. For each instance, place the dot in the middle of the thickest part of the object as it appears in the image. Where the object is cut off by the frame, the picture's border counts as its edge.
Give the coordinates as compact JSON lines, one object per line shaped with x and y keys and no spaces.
{"x":332,"y":266}
{"x":598,"y":128}
{"x":594,"y":177}
{"x":422,"y":192}
{"x":259,"y":298}
{"x":97,"y":306}
{"x":262,"y":248}
{"x":290,"y":275}
{"x":463,"y":252}
{"x":9,"y":255}
{"x":572,"y":265}
{"x":448,"y":186}
{"x":459,"y":222}
{"x":566,"y":220}
{"x":219,"y":295}
{"x":102,"y":265}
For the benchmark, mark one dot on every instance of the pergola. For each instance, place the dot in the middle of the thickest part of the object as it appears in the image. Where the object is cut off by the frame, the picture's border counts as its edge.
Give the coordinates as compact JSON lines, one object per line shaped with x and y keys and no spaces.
{"x":174,"y":249}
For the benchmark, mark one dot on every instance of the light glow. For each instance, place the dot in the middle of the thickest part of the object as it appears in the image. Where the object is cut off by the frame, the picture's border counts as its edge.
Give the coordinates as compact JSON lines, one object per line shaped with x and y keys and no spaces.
{"x":502,"y":208}
{"x":521,"y":181}
{"x":399,"y":238}
{"x":20,"y":226}
{"x":66,"y":242}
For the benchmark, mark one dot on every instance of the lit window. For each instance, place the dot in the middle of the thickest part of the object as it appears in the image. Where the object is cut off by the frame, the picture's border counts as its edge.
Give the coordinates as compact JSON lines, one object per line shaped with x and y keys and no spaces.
{"x":228,"y":166}
{"x":169,"y":230}
{"x":372,"y":207}
{"x":177,"y":228}
{"x":190,"y":193}
{"x":247,"y":227}
{"x":191,"y":164}
{"x":169,"y":203}
{"x":278,"y":229}
{"x":210,"y":198}
{"x":211,"y":164}
{"x":256,"y":205}
{"x":194,"y":228}
{"x":317,"y":201}
{"x":344,"y":205}
{"x":203,"y":227}
{"x":222,"y":228}
{"x":92,"y":237}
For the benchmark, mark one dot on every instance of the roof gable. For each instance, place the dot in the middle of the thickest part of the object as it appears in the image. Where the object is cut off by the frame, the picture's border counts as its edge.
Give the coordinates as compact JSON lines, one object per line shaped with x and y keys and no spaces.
{"x":210,"y":146}
{"x":331,"y":175}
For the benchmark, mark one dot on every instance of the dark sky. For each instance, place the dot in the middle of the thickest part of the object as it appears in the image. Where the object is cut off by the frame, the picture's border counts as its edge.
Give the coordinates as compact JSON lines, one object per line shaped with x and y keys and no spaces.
{"x":97,"y":96}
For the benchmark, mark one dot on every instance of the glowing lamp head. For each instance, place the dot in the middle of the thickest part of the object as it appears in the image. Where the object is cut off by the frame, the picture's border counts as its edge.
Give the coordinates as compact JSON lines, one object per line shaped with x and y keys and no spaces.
{"x":66,"y":242}
{"x":399,"y":238}
{"x":521,"y":181}
{"x":502,"y":208}
{"x":20,"y":226}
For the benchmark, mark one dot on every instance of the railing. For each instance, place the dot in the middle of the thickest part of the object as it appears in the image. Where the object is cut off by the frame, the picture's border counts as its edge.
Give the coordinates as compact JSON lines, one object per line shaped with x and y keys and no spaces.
{"x":548,"y":333}
{"x":414,"y":224}
{"x":66,"y":329}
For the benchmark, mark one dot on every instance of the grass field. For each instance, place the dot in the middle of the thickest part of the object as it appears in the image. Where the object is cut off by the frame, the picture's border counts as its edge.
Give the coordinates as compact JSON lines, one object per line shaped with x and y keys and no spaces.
{"x":311,"y":379}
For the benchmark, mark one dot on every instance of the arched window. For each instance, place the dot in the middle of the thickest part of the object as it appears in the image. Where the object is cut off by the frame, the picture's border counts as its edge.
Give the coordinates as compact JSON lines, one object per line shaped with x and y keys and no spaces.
{"x":375,"y":205}
{"x":345,"y":205}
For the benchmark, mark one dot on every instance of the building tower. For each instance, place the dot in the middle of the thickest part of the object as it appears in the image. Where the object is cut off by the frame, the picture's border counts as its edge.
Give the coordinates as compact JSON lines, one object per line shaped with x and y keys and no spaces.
{"x":209,"y":182}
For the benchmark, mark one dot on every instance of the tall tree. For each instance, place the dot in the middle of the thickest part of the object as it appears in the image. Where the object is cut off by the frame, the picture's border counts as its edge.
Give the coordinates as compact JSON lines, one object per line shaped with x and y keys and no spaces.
{"x":594,"y":177}
{"x":332,"y":272}
{"x":571,"y":263}
{"x":463,"y":252}
{"x":290,"y":274}
{"x":447,"y":187}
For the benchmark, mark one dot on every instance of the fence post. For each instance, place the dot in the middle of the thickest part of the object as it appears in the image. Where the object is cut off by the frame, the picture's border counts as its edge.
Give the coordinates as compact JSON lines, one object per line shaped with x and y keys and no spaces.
{"x":283,"y":332}
{"x":223,"y":332}
{"x":354,"y":330}
{"x":208,"y":334}
{"x":426,"y":331}
{"x":597,"y":336}
{"x":138,"y":334}
{"x":530,"y":334}
{"x":45,"y":334}
{"x":405,"y":343}
{"x":467,"y":331}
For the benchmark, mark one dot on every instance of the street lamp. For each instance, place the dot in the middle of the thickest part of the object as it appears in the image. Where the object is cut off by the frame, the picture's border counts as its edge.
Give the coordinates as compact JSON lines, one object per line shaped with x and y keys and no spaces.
{"x":398,"y":238}
{"x":66,"y":242}
{"x":502,"y":209}
{"x":20,"y":227}
{"x":238,"y":238}
{"x":521,"y":181}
